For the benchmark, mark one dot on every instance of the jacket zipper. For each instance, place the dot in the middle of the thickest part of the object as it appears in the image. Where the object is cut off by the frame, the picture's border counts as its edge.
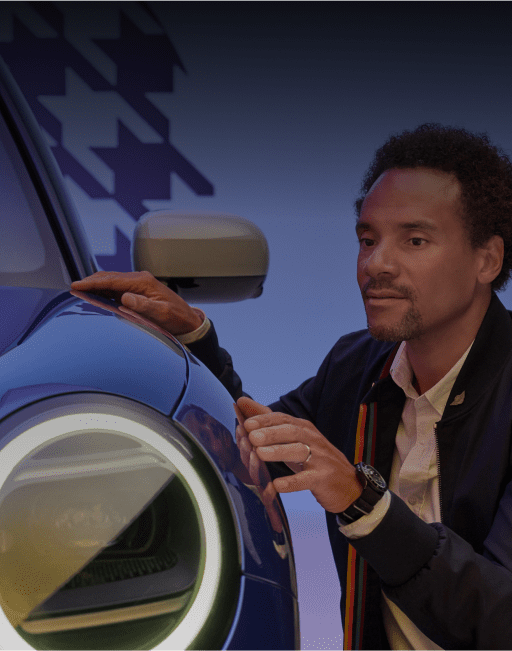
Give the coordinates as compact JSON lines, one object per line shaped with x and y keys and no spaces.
{"x":438,"y":473}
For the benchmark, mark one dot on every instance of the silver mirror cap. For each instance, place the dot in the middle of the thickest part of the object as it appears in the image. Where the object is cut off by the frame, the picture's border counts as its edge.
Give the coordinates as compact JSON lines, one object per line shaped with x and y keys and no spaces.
{"x":204,"y":257}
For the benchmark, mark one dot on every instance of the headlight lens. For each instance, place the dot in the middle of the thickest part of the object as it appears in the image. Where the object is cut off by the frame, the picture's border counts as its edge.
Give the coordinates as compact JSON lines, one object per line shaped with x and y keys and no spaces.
{"x":110,"y":533}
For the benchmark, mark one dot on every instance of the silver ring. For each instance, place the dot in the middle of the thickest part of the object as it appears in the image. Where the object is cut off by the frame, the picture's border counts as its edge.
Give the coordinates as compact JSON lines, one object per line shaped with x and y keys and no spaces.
{"x":309,"y":455}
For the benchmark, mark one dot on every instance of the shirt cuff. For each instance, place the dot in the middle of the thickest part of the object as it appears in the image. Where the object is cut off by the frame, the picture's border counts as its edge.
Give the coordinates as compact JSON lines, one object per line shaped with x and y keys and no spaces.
{"x":198,"y":333}
{"x":367,"y":523}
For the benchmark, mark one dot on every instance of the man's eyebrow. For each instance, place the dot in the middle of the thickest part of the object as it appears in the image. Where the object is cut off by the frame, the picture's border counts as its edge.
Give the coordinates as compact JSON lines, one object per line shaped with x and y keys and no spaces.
{"x":419,"y":225}
{"x":362,"y":226}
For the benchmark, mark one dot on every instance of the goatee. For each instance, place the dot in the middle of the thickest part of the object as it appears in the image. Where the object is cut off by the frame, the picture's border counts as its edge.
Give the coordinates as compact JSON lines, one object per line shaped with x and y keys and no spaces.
{"x":410,"y":327}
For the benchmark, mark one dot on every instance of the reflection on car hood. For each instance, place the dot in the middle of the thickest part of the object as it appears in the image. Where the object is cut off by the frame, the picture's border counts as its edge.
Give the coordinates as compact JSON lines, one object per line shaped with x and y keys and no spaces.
{"x":53,"y":343}
{"x":20,"y":309}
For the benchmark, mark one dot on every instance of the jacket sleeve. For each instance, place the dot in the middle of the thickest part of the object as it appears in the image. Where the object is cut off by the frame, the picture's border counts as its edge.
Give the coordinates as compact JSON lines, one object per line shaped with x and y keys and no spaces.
{"x":218,"y":361}
{"x":458,"y":598}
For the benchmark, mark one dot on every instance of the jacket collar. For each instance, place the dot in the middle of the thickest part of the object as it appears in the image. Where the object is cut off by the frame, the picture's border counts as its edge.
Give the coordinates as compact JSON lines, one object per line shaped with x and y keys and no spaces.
{"x":491,"y":350}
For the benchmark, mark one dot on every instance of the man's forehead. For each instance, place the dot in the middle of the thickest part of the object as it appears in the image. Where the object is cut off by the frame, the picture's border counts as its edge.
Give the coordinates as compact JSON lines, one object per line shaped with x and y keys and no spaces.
{"x":420,"y":183}
{"x":418,"y":198}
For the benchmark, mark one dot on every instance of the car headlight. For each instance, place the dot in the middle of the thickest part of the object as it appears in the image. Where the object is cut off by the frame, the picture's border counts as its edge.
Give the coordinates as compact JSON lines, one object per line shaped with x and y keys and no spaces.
{"x":115,"y":531}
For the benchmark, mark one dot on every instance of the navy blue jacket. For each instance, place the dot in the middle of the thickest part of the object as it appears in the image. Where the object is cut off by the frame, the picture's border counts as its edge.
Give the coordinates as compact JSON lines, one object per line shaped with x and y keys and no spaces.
{"x":454,"y":578}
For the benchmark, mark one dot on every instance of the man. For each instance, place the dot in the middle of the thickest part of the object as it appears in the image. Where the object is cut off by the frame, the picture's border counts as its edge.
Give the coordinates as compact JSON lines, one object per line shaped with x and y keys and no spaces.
{"x":423,"y":399}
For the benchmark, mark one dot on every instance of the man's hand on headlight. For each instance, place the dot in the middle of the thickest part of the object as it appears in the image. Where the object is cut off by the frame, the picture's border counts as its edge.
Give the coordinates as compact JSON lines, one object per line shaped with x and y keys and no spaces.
{"x":322,"y":468}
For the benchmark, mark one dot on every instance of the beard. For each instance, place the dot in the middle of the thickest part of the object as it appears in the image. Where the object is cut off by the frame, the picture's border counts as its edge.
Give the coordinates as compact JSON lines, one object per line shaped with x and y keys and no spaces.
{"x":410,"y":327}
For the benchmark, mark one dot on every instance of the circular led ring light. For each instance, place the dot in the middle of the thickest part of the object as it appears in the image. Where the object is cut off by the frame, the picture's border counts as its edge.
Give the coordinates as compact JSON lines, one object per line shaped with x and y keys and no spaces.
{"x":17,"y":449}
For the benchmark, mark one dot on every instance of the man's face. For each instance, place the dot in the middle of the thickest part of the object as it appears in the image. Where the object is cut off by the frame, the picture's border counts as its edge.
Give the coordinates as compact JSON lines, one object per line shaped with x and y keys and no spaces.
{"x":416,"y":269}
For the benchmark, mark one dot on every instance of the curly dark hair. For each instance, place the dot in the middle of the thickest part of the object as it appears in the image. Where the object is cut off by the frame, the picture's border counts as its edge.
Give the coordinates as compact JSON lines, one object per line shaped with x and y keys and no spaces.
{"x":483,"y":170}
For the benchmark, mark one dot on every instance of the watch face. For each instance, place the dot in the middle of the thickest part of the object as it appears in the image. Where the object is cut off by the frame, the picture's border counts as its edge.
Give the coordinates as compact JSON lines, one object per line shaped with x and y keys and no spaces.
{"x":374,"y":477}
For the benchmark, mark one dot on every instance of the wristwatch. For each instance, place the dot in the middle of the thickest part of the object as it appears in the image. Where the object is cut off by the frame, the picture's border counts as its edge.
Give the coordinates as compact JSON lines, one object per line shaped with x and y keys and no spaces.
{"x":374,"y":487}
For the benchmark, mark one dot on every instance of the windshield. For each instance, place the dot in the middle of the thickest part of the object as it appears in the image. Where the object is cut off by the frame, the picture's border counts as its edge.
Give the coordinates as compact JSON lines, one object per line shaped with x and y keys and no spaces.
{"x":29,"y":254}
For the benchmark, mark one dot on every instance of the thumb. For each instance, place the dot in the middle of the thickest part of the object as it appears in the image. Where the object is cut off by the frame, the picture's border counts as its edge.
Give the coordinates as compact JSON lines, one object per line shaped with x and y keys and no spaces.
{"x":250,"y":407}
{"x":141,"y":306}
{"x":135,"y":302}
{"x":138,"y":307}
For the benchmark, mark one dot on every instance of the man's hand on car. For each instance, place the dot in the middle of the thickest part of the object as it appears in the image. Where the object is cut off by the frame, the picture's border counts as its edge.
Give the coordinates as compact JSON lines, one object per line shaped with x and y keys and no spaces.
{"x":141,"y":293}
{"x":319,"y":466}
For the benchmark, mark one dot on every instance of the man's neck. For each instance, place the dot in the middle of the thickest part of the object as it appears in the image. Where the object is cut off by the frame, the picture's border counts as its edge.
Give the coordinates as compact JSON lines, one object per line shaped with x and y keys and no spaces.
{"x":434,"y":354}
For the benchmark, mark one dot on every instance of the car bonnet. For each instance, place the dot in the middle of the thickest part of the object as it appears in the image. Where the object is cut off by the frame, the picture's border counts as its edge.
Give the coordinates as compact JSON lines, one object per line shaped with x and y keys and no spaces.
{"x":54,"y":343}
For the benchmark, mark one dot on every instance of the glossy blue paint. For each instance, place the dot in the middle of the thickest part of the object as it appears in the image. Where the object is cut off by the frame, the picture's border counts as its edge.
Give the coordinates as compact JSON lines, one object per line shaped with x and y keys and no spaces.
{"x":22,"y":308}
{"x":92,"y":349}
{"x":265,"y":618}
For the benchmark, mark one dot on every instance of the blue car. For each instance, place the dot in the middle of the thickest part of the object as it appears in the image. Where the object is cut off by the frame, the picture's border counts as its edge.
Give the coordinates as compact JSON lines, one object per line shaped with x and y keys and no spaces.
{"x":131,"y":517}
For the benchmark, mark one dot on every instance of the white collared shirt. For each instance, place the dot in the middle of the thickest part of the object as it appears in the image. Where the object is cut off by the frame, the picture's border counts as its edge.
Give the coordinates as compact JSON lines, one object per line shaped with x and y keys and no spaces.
{"x":414,"y":478}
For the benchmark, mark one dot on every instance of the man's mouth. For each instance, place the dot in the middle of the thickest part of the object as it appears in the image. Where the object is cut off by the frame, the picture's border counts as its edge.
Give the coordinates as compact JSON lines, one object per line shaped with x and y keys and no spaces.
{"x":382,"y":296}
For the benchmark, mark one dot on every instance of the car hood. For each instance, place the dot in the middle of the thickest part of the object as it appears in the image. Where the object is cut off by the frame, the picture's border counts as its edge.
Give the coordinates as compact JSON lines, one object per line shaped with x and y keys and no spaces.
{"x":52,"y":343}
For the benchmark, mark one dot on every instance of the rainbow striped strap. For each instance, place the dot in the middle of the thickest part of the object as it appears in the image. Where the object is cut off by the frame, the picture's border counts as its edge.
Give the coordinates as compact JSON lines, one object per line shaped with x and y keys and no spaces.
{"x":357,"y":567}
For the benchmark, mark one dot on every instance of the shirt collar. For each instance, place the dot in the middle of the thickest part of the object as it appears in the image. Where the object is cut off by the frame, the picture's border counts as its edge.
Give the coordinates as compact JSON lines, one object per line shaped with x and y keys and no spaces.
{"x":437,"y":396}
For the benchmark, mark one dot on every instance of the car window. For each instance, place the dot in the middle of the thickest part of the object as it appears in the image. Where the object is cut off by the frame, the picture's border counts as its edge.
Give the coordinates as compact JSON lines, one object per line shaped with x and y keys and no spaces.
{"x":29,"y":254}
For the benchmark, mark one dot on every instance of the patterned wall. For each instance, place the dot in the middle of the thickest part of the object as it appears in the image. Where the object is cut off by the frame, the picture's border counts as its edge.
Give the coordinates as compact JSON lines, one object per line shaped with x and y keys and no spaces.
{"x":99,"y":78}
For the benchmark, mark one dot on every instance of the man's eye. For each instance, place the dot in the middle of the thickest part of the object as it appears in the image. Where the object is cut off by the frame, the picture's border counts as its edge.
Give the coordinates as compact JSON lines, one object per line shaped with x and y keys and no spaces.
{"x":365,"y":241}
{"x":417,"y":241}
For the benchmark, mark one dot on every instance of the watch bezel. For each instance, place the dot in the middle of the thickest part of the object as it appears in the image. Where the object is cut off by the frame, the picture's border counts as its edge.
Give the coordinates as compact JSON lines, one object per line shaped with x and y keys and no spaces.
{"x":374,"y":487}
{"x":372,"y":476}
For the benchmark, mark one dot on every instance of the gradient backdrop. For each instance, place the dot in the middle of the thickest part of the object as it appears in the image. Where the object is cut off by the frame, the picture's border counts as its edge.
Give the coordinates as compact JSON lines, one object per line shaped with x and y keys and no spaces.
{"x":271,"y":111}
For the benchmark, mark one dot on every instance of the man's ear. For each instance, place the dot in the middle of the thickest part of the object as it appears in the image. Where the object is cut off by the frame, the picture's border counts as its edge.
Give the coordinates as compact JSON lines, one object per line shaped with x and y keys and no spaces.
{"x":491,"y":259}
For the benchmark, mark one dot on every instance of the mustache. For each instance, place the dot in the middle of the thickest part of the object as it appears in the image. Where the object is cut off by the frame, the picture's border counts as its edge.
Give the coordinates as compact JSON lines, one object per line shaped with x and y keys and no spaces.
{"x":379,"y":285}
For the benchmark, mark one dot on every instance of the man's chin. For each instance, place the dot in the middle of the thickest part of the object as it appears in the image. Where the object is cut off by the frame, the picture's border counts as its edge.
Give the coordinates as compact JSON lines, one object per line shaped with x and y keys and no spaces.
{"x":409,"y":328}
{"x":384,"y":334}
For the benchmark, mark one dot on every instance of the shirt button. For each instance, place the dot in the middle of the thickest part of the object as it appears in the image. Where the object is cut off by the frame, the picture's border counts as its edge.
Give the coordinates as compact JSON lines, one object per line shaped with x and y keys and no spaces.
{"x":412,"y":500}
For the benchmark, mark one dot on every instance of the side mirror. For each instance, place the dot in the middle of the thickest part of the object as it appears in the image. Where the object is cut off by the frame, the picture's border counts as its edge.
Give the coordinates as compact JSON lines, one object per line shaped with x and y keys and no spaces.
{"x":205,"y":258}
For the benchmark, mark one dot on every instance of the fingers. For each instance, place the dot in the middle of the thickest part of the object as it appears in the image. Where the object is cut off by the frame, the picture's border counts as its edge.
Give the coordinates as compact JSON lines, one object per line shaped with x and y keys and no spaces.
{"x":249,"y":407}
{"x":114,"y":281}
{"x":141,"y":305}
{"x":240,"y":417}
{"x":276,"y":436}
{"x":258,"y":471}
{"x":279,"y":434}
{"x":101,"y":283}
{"x":133,"y":301}
{"x":290,"y":484}
{"x":113,"y":284}
{"x":269,"y":418}
{"x":245,"y":452}
{"x":288,"y":452}
{"x":239,"y":434}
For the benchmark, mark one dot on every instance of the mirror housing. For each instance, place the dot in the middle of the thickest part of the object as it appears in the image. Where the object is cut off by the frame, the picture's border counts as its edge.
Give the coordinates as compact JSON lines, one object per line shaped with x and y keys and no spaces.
{"x":204,"y":257}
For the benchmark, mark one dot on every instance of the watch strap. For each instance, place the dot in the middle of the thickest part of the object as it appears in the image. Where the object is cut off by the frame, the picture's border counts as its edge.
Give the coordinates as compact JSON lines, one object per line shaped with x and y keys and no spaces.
{"x":365,"y":503}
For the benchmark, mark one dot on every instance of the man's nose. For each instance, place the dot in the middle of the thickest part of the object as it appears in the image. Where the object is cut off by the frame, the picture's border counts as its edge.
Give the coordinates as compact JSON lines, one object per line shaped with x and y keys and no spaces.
{"x":380,"y":259}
